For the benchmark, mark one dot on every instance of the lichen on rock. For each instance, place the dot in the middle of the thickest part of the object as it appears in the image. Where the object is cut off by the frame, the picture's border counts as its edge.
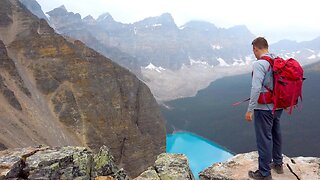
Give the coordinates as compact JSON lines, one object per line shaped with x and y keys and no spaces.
{"x":58,"y":163}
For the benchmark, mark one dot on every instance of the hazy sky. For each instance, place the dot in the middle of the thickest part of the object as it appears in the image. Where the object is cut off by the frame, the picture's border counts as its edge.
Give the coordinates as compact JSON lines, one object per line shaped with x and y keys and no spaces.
{"x":274,"y":19}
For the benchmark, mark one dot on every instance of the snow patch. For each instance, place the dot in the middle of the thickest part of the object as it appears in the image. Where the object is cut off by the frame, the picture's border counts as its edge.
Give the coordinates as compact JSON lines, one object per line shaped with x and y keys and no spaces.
{"x":105,"y":16}
{"x":156,"y":25}
{"x":153,"y":25}
{"x":289,"y":55}
{"x":192,"y":62}
{"x":239,"y":62}
{"x":222,"y":62}
{"x":203,"y":64}
{"x":310,"y":50}
{"x":312,"y":56}
{"x":216,"y":47}
{"x":135,"y":30}
{"x":155,"y":68}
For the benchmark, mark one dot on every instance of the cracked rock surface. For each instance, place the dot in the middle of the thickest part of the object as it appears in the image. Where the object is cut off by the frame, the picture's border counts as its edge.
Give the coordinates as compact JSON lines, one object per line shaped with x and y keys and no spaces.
{"x":58,"y":163}
{"x":236,"y":168}
{"x":168,"y":167}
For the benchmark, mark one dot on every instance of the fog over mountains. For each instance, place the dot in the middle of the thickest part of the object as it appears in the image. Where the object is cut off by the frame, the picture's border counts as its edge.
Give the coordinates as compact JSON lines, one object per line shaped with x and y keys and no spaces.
{"x":174,"y":61}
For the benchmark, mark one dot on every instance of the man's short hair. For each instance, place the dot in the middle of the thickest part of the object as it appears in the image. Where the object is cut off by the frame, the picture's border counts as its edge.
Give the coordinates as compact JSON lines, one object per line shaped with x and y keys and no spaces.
{"x":261,"y":43}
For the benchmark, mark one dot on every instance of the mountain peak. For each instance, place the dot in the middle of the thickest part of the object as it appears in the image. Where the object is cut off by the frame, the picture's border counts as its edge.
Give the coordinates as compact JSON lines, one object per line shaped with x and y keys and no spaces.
{"x":63,"y":8}
{"x":199,"y":25}
{"x":89,"y":19}
{"x":165,"y":19}
{"x":105,"y":17}
{"x":166,"y":16}
{"x":242,"y":28}
{"x":59,"y":11}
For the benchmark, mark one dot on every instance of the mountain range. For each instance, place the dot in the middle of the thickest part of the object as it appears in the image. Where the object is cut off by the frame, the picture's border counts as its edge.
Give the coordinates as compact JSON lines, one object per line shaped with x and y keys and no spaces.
{"x":173,"y":61}
{"x":58,"y":92}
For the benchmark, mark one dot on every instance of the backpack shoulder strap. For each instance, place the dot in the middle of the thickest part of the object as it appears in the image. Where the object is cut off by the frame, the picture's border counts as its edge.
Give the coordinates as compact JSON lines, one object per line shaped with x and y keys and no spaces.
{"x":267,"y":58}
{"x":270,"y":60}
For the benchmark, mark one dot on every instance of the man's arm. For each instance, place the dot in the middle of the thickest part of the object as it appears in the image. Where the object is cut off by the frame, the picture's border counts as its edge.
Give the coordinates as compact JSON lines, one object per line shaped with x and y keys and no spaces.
{"x":257,"y":80}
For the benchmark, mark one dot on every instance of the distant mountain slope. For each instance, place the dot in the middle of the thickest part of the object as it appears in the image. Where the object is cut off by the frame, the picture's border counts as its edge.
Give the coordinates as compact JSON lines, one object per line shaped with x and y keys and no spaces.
{"x":59,"y":92}
{"x":158,"y":40}
{"x":307,"y":52}
{"x":211,"y":115}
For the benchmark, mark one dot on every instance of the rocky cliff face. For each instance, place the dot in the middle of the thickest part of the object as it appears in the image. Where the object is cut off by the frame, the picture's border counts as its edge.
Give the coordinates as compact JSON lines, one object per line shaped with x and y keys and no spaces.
{"x":237,"y":168}
{"x":58,"y":163}
{"x":57,"y":92}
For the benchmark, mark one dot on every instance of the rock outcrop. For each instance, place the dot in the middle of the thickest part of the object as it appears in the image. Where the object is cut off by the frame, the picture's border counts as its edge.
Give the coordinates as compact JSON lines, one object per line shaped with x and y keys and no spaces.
{"x":236,"y":168}
{"x":58,"y":163}
{"x":168,"y":167}
{"x":58,"y":93}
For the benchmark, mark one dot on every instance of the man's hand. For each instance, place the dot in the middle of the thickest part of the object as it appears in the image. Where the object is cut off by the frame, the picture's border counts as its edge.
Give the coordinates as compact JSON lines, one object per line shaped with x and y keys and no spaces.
{"x":249,"y":116}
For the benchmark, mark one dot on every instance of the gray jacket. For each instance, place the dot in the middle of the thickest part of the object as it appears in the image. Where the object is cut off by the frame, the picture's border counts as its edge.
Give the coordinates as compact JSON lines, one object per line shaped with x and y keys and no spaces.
{"x":261,"y":75}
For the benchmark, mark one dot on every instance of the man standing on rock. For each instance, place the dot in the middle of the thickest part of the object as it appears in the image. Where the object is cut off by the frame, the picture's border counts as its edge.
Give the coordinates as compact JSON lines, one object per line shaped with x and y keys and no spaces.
{"x":267,"y":125}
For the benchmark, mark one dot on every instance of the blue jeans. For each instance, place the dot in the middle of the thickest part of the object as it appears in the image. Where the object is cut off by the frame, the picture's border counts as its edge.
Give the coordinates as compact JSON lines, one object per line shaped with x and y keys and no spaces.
{"x":268,"y":137}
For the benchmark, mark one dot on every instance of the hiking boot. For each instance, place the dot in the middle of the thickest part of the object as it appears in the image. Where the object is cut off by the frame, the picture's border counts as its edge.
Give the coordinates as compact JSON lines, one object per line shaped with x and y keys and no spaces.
{"x":277,"y":167}
{"x":258,"y":175}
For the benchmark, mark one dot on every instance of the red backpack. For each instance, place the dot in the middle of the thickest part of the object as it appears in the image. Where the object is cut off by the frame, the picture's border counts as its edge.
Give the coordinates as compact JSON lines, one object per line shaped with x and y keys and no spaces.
{"x":287,"y":80}
{"x":287,"y":84}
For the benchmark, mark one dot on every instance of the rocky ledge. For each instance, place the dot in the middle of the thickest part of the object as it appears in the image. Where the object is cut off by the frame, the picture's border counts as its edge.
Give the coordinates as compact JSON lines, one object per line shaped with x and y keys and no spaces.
{"x":168,"y":167}
{"x":58,"y":163}
{"x":236,"y":168}
{"x":45,"y":162}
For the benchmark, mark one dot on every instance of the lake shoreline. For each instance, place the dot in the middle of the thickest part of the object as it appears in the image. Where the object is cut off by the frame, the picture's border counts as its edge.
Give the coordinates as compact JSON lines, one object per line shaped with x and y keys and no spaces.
{"x":201,"y":152}
{"x":205,"y":139}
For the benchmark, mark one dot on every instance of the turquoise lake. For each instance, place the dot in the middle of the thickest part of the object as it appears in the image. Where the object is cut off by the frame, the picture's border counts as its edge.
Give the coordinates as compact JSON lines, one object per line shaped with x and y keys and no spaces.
{"x":201,"y":152}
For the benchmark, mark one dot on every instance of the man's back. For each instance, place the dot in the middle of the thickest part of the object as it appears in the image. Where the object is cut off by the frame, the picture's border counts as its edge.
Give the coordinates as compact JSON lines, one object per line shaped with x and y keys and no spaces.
{"x":262,"y":75}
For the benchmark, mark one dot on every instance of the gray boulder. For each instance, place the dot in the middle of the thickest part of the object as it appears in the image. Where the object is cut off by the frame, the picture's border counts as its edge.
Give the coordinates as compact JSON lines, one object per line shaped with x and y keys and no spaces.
{"x":168,"y":167}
